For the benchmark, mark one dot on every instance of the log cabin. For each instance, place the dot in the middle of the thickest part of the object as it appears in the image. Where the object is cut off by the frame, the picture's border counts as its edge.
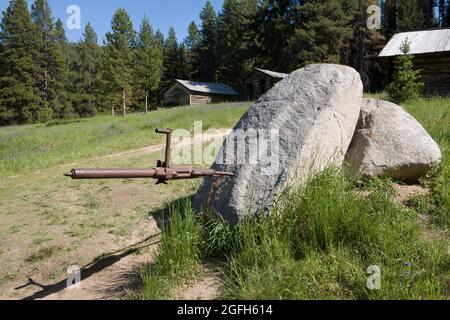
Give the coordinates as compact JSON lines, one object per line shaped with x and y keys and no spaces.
{"x":431,"y":50}
{"x":259,"y":83}
{"x":188,"y":93}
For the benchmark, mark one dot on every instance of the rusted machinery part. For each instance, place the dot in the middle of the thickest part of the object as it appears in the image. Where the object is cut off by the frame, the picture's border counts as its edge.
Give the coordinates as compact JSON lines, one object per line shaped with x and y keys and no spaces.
{"x":163,"y":173}
{"x":160,"y":173}
{"x":111,"y":173}
{"x":167,"y":158}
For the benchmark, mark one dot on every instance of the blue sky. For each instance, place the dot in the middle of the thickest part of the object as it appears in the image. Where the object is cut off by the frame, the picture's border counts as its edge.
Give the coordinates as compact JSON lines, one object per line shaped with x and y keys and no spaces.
{"x":162,"y":13}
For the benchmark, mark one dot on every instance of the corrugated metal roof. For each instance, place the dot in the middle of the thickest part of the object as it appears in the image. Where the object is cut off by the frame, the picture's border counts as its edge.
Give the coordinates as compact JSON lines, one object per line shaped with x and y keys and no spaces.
{"x":429,"y":41}
{"x":205,"y":87}
{"x":273,"y":74}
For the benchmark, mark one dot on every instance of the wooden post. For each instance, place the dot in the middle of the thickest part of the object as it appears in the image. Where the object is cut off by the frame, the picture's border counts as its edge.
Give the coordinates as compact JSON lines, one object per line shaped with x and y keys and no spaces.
{"x":146,"y":102}
{"x":112,"y":108}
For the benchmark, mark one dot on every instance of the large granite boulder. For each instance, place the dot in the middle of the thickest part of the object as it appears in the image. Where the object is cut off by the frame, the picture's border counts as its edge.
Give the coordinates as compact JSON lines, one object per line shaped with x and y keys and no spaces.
{"x":308,"y":120}
{"x":390,"y":142}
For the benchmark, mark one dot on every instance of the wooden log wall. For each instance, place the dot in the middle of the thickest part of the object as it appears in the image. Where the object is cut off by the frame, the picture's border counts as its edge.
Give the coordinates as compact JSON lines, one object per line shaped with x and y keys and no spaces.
{"x":435,"y":72}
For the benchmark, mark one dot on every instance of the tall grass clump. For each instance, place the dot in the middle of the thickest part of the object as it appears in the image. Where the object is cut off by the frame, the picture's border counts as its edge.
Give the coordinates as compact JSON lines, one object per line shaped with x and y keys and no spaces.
{"x":324,"y":240}
{"x":319,"y":245}
{"x":434,"y":114}
{"x":179,"y":253}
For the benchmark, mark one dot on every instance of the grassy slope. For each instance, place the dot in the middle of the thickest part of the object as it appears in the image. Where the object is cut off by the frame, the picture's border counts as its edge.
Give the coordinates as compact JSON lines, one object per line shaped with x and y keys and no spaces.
{"x":325,"y":240}
{"x":27,"y":148}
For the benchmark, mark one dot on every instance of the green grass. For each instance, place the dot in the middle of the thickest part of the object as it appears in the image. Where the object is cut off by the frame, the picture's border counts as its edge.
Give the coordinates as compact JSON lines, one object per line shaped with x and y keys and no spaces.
{"x":318,"y":247}
{"x":43,"y":254}
{"x":27,"y":148}
{"x":434,"y":114}
{"x":41,"y":238}
{"x":180,"y":252}
{"x":323,"y":241}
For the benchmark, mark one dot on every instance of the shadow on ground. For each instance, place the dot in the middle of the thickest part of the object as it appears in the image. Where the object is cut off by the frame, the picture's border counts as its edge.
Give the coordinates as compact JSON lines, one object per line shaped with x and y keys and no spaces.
{"x":125,"y":279}
{"x":114,"y":286}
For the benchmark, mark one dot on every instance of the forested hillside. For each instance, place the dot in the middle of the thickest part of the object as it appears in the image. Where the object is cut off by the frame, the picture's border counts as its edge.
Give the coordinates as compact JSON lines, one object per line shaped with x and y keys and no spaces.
{"x":44,"y":77}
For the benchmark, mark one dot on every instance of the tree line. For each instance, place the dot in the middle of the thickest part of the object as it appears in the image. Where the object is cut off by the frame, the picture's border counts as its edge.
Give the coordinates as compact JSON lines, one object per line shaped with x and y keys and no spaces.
{"x":44,"y":77}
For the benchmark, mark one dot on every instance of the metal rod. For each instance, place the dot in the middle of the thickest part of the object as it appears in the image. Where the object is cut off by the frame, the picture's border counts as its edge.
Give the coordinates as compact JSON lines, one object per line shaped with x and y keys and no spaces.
{"x":168,"y":149}
{"x":167,"y":158}
{"x":111,"y":173}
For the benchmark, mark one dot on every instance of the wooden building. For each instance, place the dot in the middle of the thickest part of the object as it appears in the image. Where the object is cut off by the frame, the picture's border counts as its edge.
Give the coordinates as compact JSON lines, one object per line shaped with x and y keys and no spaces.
{"x":431,"y":50}
{"x":259,"y":82}
{"x":184,"y":92}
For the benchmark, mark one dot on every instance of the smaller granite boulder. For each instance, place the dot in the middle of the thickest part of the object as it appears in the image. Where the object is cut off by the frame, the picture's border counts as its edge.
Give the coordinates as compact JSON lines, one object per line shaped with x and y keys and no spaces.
{"x":389,"y":141}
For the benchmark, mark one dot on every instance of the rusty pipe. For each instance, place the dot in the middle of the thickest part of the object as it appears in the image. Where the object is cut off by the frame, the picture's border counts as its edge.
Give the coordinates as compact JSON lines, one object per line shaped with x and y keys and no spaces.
{"x":163,"y":174}
{"x":112,"y":173}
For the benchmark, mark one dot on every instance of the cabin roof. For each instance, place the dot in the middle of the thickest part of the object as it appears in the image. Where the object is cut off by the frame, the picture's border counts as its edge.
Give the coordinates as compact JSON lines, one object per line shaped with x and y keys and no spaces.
{"x":207,"y":87}
{"x":427,"y":41}
{"x":273,"y":74}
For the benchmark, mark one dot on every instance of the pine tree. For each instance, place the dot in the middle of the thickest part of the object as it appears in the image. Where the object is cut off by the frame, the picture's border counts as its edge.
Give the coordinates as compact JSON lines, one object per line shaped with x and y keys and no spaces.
{"x":193,"y":39}
{"x":192,"y":44}
{"x":119,"y":58}
{"x":171,"y":58}
{"x":364,"y":48}
{"x":272,"y":28}
{"x":410,"y":15}
{"x":323,"y":29}
{"x":61,"y":104}
{"x":183,"y":63}
{"x":148,"y":62}
{"x":406,"y":83}
{"x":446,"y":20}
{"x":233,"y":37}
{"x":86,"y":93}
{"x":159,"y":38}
{"x":18,"y":102}
{"x":442,"y":10}
{"x":429,"y":13}
{"x":160,"y":41}
{"x":49,"y":62}
{"x":389,"y":17}
{"x":208,"y":45}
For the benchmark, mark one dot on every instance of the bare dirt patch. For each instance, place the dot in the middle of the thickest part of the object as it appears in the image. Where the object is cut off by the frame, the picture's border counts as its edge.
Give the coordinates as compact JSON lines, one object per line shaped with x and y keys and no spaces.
{"x":209,"y":287}
{"x":111,"y":277}
{"x":404,"y":193}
